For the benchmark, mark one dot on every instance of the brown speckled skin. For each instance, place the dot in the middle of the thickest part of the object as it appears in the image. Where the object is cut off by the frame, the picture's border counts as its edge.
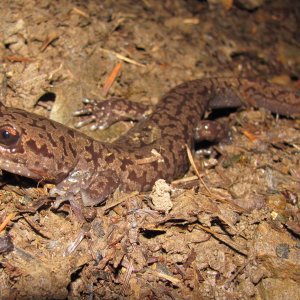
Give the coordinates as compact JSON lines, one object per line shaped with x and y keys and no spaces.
{"x":155,"y":148}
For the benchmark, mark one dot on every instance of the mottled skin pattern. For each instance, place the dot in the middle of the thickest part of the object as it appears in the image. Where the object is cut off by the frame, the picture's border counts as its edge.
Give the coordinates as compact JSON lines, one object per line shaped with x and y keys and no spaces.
{"x":154,"y":148}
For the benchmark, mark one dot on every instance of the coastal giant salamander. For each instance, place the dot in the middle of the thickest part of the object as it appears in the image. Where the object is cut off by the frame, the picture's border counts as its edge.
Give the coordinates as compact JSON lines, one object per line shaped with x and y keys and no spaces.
{"x":44,"y":150}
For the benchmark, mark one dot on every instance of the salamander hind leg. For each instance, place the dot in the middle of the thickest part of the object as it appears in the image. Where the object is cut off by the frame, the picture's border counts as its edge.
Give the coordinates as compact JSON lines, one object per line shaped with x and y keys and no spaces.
{"x":211,"y":131}
{"x":107,"y":112}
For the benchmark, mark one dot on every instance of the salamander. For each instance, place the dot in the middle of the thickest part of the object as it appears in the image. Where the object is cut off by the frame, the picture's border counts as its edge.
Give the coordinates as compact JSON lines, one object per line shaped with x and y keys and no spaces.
{"x":44,"y":150}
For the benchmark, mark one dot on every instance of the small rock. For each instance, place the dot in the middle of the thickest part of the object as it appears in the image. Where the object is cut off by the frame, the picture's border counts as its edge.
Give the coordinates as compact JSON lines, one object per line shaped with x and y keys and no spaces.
{"x":278,"y":289}
{"x":161,"y":196}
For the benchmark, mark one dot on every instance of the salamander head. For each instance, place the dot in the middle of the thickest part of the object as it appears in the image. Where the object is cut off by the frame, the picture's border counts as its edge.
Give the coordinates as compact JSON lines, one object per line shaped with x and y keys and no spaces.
{"x":35,"y":147}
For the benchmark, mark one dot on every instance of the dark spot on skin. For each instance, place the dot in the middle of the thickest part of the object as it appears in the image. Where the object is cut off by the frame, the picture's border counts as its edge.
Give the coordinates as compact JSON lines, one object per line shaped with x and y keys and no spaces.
{"x":89,"y":148}
{"x":125,"y":162}
{"x":154,"y":165}
{"x":60,"y":165}
{"x":53,"y":125}
{"x":167,"y":162}
{"x":32,"y":145}
{"x":73,"y":150}
{"x":36,"y":123}
{"x":137,"y":178}
{"x":63,"y":146}
{"x":88,"y":155}
{"x":51,"y":139}
{"x":95,"y":155}
{"x":10,"y":117}
{"x":71,"y":133}
{"x":19,"y":149}
{"x":24,"y":114}
{"x":60,"y":176}
{"x":43,"y":150}
{"x":110,"y":158}
{"x":139,"y":156}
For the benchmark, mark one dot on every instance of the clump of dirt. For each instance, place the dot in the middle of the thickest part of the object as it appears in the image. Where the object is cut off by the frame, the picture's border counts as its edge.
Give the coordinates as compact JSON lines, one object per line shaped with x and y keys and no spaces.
{"x":233,"y":234}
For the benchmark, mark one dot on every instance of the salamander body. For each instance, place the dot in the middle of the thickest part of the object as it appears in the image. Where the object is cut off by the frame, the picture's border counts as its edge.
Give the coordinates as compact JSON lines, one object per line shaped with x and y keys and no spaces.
{"x":44,"y":150}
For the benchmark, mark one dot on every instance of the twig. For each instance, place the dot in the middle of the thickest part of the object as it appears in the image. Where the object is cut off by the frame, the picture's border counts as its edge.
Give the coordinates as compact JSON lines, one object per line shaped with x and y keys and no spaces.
{"x":38,"y":229}
{"x":15,"y":58}
{"x":122,"y":57}
{"x":80,"y":12}
{"x":52,"y":36}
{"x":231,"y":244}
{"x":127,"y":276}
{"x":192,"y":162}
{"x":111,"y":79}
{"x":233,"y":276}
{"x":125,"y":198}
{"x":249,"y":135}
{"x":7,"y":220}
{"x":172,"y":279}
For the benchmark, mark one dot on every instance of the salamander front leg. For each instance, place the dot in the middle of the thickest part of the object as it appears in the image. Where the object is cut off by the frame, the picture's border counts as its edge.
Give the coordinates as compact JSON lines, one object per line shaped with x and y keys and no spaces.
{"x":107,"y":112}
{"x":100,"y":187}
{"x":93,"y":189}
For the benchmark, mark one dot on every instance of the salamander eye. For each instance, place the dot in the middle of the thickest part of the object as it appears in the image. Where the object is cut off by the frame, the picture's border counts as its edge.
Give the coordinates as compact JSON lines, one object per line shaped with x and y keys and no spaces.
{"x":8,"y":136}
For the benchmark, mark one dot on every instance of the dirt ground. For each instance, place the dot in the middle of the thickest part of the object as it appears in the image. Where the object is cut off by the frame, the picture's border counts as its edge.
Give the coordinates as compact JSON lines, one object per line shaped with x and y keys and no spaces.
{"x":234,"y":234}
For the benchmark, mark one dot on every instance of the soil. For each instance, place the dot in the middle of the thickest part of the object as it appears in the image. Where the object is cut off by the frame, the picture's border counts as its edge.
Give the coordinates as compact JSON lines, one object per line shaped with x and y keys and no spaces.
{"x":234,"y":234}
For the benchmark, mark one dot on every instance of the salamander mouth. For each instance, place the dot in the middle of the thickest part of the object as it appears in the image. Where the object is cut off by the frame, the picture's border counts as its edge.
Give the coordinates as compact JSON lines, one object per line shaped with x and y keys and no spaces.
{"x":18,"y":168}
